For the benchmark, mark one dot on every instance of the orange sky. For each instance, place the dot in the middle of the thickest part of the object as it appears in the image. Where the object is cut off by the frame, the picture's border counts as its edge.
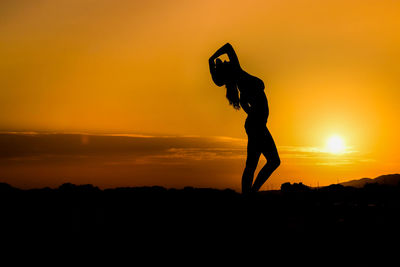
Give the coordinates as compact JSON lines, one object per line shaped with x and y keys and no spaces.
{"x":140,"y":67}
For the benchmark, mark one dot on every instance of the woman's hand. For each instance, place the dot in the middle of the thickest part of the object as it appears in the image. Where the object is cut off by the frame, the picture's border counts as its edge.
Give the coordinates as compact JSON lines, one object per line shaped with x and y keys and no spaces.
{"x":245,"y":104}
{"x":211,"y":61}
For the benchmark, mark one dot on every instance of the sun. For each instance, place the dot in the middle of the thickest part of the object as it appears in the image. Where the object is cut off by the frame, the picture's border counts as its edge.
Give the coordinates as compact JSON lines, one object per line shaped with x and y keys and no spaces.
{"x":335,"y":145}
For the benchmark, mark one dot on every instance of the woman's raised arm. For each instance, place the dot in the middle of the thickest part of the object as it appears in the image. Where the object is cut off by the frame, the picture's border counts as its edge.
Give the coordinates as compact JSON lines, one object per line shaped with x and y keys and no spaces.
{"x":227,"y":49}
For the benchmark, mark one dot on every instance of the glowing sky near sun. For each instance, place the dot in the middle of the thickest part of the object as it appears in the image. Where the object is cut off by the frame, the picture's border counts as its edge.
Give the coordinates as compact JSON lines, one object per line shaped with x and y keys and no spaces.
{"x":140,"y":67}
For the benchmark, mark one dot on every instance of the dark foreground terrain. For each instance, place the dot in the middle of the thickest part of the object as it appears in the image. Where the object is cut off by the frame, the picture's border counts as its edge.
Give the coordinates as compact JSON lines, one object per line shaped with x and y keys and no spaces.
{"x":335,"y":221}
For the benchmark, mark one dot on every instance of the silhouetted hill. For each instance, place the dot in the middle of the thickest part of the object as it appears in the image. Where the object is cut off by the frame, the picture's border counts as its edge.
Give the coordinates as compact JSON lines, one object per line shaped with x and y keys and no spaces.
{"x":6,"y":188}
{"x":389,"y":179}
{"x":295,"y":187}
{"x":204,"y":219}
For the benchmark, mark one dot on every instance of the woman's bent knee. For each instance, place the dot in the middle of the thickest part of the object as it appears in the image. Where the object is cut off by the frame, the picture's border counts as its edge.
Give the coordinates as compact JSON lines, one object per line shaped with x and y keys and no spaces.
{"x":275,"y":162}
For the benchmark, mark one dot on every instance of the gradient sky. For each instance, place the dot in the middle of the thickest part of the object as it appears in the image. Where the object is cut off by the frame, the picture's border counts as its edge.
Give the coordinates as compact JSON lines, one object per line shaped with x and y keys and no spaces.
{"x":140,"y":68}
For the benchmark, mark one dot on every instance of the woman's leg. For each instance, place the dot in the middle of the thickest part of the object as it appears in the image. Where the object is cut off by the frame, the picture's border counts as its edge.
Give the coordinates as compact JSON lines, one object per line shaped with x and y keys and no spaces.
{"x":253,"y":155}
{"x":273,"y":161}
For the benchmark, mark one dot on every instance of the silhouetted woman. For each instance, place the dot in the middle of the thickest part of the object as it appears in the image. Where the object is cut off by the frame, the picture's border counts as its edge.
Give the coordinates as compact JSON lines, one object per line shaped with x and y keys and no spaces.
{"x":254,"y":102}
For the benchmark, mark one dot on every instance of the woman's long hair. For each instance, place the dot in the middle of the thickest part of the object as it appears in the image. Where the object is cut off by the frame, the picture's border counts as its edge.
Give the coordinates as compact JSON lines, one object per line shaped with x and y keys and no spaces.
{"x":232,"y":94}
{"x":224,"y":73}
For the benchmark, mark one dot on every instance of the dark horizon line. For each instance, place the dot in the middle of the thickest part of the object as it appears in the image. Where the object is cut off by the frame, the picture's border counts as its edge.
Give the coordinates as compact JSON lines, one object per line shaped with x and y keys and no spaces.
{"x":4,"y":185}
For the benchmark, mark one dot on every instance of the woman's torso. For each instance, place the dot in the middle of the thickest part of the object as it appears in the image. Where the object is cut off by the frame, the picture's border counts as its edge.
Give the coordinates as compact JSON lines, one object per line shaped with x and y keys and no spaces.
{"x":252,"y":89}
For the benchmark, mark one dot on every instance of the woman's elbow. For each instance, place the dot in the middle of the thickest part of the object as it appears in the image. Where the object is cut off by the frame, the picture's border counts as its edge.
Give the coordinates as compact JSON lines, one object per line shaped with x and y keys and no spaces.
{"x":217,"y":82}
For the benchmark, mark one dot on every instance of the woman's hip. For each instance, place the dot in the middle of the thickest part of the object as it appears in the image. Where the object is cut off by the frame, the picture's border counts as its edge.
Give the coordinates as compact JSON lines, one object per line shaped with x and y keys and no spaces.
{"x":255,"y":127}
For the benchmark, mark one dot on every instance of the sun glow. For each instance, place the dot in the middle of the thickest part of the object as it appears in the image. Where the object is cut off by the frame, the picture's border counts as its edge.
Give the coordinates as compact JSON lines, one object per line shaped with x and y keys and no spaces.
{"x":335,"y":145}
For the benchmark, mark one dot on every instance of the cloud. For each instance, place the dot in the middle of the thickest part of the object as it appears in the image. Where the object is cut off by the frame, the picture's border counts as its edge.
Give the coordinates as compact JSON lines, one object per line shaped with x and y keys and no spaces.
{"x":123,"y":149}
{"x":320,"y":156}
{"x":133,"y":149}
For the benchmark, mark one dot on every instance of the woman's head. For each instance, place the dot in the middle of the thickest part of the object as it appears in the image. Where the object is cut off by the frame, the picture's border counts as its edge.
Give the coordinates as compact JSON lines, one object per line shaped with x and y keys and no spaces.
{"x":224,"y":71}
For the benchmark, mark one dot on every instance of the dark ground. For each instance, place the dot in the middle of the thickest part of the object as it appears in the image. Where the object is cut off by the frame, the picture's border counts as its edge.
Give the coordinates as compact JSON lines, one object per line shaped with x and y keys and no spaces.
{"x":337,"y":222}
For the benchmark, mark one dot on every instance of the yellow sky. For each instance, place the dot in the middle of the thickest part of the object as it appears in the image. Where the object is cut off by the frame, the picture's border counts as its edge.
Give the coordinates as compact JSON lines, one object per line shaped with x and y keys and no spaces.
{"x":330,"y":67}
